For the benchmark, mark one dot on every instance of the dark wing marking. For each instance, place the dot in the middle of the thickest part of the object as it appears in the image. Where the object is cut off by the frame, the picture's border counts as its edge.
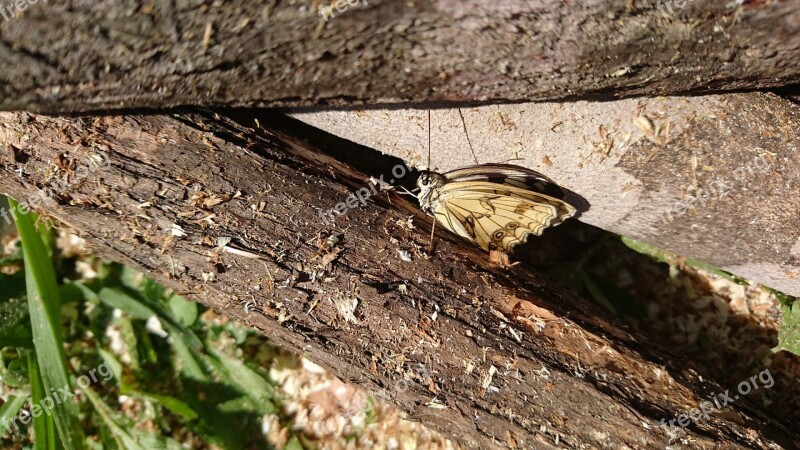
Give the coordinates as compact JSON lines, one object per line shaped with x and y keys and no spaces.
{"x":514,"y":214}
{"x":508,"y":174}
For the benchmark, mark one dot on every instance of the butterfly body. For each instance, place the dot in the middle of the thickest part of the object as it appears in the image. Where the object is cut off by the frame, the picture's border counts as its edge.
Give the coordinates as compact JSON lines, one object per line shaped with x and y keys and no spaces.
{"x":496,"y":206}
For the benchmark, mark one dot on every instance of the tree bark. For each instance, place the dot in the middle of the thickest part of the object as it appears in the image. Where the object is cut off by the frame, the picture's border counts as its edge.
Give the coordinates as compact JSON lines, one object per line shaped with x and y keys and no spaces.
{"x":716,"y":177}
{"x":229,"y":215}
{"x":85,"y":56}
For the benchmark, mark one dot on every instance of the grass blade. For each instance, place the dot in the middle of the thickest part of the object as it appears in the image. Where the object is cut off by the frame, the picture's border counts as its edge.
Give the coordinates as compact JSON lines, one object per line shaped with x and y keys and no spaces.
{"x":9,"y":412}
{"x":126,"y":435}
{"x":45,"y":307}
{"x":42,"y":420}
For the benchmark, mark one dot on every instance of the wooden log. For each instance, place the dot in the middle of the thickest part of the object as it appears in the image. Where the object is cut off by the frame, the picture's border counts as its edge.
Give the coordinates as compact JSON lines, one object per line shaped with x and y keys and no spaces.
{"x":716,"y":178}
{"x":64,"y":55}
{"x":230,"y":216}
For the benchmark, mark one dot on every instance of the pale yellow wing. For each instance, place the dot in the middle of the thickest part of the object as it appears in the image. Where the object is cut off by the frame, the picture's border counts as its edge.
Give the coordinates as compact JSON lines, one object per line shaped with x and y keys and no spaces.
{"x":497,"y":216}
{"x":508,"y":175}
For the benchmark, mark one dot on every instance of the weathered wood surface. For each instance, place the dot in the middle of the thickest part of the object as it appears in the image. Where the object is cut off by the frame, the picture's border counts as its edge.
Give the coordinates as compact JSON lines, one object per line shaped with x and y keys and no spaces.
{"x":713,"y":177}
{"x":489,"y":356}
{"x":63,"y":55}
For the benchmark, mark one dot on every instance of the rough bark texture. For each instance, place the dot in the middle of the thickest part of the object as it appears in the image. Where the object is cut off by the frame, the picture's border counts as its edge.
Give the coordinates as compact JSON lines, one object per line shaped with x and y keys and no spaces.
{"x":715,"y":177}
{"x":90,"y":55}
{"x":484,"y":354}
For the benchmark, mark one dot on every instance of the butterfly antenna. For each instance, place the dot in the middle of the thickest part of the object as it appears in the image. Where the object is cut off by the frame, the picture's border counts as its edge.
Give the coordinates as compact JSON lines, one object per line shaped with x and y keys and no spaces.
{"x":429,"y":140}
{"x":433,"y":227}
{"x":464,"y":125}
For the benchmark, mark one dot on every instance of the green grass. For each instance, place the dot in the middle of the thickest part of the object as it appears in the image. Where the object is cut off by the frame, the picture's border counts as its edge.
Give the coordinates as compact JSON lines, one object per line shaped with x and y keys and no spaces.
{"x":186,"y":382}
{"x":48,"y":369}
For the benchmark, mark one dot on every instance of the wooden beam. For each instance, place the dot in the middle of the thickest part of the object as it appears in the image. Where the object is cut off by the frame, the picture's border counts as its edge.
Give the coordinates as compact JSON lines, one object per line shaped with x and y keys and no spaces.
{"x":229,"y":216}
{"x":63,"y":55}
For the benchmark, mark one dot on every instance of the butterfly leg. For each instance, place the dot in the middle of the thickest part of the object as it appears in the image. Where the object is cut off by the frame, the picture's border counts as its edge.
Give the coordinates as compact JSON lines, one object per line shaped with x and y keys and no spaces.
{"x":407,"y":192}
{"x":433,"y":229}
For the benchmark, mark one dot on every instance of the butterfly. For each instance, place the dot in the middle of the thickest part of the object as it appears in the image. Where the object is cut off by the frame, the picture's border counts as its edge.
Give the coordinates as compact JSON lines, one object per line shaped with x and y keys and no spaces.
{"x":495,"y":206}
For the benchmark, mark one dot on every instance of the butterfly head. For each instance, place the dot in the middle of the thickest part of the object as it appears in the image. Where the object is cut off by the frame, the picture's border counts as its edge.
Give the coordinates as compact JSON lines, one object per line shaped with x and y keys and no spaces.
{"x":429,"y":179}
{"x":429,"y":182}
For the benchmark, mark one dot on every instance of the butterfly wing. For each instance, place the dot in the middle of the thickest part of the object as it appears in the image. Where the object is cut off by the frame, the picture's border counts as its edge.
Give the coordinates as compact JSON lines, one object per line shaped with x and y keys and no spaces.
{"x":497,"y":216}
{"x":507,"y":174}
